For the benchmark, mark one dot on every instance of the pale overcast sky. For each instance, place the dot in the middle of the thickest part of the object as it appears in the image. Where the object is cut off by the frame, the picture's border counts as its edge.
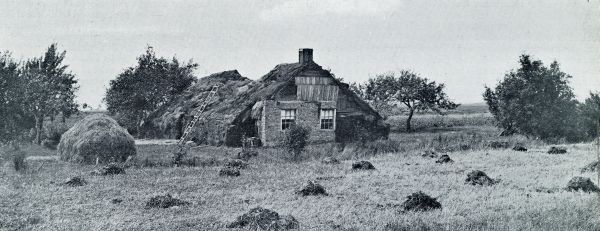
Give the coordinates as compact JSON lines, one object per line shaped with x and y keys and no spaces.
{"x":464,"y":44}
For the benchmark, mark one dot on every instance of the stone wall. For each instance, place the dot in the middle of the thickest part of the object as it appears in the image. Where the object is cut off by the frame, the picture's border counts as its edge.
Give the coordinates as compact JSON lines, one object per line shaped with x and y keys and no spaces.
{"x":307,"y":115}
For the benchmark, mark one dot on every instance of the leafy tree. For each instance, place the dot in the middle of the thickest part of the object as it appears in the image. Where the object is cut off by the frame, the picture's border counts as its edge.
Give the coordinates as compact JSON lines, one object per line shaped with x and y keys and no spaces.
{"x":14,"y":120}
{"x":139,"y":90}
{"x":407,"y":89}
{"x":50,"y":88}
{"x":590,"y":113}
{"x":535,"y":100}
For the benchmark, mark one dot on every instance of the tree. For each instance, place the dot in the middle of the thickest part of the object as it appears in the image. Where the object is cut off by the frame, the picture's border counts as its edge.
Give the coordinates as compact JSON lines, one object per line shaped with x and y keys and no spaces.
{"x":139,"y":90}
{"x":407,"y":89}
{"x":535,"y":100}
{"x":15,"y":120}
{"x":590,"y":113}
{"x":50,"y":88}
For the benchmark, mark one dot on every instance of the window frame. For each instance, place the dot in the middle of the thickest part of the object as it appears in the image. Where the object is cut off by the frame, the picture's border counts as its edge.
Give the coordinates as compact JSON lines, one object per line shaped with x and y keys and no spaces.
{"x":321,"y":118}
{"x":282,"y":116}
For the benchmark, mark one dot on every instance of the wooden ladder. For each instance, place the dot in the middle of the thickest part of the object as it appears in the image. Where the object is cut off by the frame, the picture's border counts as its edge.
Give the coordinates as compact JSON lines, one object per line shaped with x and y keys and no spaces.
{"x":198,"y":115}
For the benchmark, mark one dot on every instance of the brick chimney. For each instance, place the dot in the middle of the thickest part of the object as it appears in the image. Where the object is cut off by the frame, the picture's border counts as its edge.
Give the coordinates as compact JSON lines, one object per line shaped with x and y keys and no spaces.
{"x":305,"y":55}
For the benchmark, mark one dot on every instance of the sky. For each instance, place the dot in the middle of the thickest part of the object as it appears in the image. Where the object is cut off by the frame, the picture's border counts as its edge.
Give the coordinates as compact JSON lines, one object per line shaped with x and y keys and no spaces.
{"x":464,"y":44}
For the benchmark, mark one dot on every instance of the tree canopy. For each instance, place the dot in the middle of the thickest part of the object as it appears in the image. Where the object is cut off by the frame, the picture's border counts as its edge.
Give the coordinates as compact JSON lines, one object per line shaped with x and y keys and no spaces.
{"x":141,"y":89}
{"x":14,"y":118}
{"x":33,"y":90}
{"x":407,"y":89}
{"x":590,"y":113}
{"x":535,"y":100}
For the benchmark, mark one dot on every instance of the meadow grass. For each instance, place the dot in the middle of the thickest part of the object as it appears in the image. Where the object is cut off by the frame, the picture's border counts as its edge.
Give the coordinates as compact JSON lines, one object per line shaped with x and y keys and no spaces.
{"x":358,"y":200}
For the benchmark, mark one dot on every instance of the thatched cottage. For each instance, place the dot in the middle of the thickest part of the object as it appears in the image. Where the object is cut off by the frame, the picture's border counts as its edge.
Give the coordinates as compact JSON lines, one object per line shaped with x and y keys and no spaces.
{"x":301,"y":93}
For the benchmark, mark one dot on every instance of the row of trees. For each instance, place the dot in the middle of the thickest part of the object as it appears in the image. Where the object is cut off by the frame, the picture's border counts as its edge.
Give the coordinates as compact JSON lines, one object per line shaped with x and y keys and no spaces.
{"x":533,"y":100}
{"x":140,"y":90}
{"x":32,"y":91}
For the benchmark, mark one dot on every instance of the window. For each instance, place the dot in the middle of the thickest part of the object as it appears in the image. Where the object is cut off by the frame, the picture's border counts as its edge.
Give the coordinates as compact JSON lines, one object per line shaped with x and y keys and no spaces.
{"x":288,"y":118}
{"x":327,"y":118}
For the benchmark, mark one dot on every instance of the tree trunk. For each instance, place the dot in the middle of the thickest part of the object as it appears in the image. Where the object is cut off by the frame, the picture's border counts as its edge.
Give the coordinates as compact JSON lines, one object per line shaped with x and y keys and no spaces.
{"x":410,"y":115}
{"x":39,"y":125}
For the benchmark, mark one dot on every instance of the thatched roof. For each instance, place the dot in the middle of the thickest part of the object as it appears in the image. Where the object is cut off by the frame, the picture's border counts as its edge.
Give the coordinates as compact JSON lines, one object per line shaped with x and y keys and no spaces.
{"x":235,"y":98}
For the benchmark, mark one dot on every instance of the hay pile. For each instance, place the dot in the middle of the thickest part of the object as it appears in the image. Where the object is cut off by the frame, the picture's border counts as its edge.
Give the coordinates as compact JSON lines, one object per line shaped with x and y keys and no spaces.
{"x":96,"y":138}
{"x":362,"y":165}
{"x":479,"y":178}
{"x":75,"y":182}
{"x":520,"y":148}
{"x":420,"y":202}
{"x":444,"y":159}
{"x":312,"y":189}
{"x":264,"y":219}
{"x":582,"y":183}
{"x":164,"y":202}
{"x":557,"y":150}
{"x":591,"y":167}
{"x":236,"y":163}
{"x":429,"y":154}
{"x":229,"y":171}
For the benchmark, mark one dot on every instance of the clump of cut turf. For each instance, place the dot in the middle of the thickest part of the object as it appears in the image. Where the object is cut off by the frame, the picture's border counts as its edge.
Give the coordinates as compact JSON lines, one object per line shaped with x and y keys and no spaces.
{"x":229,"y":171}
{"x":444,"y":159}
{"x":582,"y":184}
{"x":164,"y":201}
{"x":557,"y":150}
{"x":96,"y":139}
{"x":236,"y":163}
{"x":330,"y":160}
{"x":429,"y":154}
{"x":312,"y":189}
{"x":591,"y":167}
{"x":420,"y":202}
{"x":109,"y":169}
{"x":362,"y":165}
{"x":260,"y":218}
{"x":477,"y":177}
{"x":519,"y":148}
{"x":75,"y":182}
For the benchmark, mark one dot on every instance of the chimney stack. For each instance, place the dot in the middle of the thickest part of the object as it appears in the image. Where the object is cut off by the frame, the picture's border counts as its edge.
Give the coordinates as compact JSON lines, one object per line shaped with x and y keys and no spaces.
{"x":305,"y":55}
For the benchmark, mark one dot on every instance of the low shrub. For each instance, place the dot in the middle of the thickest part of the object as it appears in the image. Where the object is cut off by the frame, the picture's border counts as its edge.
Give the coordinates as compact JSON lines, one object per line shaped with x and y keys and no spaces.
{"x":296,"y":139}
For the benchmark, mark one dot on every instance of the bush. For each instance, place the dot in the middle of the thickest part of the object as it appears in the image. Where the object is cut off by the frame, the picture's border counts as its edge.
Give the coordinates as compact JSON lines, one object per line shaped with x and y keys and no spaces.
{"x":296,"y":139}
{"x":96,"y":138}
{"x":536,"y":101}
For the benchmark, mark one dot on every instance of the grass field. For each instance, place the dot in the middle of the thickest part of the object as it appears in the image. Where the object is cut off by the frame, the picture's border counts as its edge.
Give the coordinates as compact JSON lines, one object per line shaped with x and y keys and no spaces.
{"x":530,"y":194}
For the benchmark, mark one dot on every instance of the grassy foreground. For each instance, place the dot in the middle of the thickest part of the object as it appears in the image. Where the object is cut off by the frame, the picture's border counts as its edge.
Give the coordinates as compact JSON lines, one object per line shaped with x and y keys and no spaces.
{"x":363,"y":200}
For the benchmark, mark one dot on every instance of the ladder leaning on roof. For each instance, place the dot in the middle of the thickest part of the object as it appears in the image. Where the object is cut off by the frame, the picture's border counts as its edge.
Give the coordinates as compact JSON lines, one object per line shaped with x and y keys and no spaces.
{"x":198,"y":115}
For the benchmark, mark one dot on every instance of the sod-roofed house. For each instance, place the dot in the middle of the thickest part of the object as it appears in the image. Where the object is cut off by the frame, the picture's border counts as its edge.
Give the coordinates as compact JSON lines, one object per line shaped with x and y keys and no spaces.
{"x":295,"y":94}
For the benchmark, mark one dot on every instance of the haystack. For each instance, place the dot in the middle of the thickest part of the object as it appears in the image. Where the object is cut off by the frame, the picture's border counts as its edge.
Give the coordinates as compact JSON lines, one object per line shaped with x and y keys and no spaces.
{"x":264,"y":219}
{"x":420,"y":202}
{"x":96,"y":138}
{"x":582,"y":183}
